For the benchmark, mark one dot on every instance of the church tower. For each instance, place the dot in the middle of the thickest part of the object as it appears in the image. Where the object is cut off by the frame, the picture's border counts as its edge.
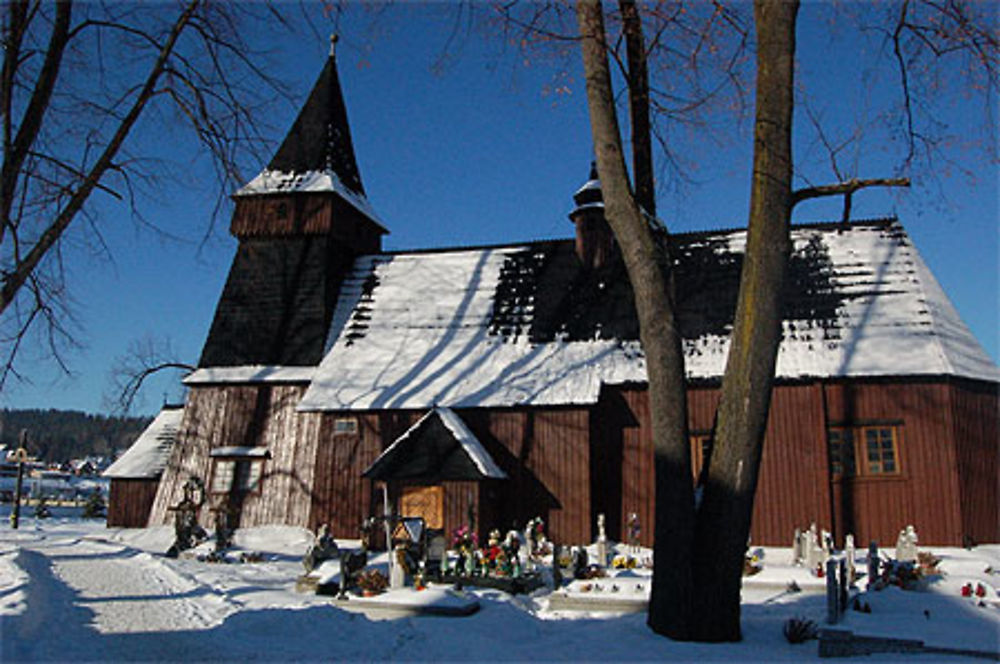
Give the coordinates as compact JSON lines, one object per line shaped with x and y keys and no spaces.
{"x":300,"y":224}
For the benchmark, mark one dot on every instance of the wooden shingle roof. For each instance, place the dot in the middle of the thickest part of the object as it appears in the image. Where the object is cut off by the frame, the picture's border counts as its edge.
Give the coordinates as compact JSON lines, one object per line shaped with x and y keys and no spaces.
{"x":525,"y":324}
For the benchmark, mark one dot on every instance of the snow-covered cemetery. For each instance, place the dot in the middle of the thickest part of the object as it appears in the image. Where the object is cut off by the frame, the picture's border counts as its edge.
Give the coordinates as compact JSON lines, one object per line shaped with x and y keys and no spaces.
{"x":447,"y":454}
{"x":74,"y":590}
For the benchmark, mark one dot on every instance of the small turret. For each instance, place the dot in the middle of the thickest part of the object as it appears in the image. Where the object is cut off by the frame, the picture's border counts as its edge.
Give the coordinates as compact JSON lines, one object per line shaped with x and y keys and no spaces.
{"x":594,"y":240}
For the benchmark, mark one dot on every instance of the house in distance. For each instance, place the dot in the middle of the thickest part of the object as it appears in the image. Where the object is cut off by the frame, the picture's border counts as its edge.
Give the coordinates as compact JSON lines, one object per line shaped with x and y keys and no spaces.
{"x":508,"y":382}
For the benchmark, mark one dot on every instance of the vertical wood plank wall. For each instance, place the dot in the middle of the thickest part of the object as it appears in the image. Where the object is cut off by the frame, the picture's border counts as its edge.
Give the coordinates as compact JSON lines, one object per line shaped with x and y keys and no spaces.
{"x":925,"y":492}
{"x":213,"y":416}
{"x":792,"y":483}
{"x":250,"y":416}
{"x":129,"y":502}
{"x":795,"y":489}
{"x":638,"y":473}
{"x":976,"y":410}
{"x":546,"y":455}
{"x":555,"y":457}
{"x":291,"y":438}
{"x":341,"y":497}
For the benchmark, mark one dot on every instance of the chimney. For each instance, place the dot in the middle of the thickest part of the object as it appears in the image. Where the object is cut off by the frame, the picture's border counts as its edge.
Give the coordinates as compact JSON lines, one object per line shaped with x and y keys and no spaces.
{"x":594,"y":240}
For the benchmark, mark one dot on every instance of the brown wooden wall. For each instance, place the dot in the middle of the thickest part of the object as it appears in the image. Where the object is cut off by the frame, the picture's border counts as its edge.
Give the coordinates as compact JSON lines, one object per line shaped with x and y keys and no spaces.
{"x":305,"y":214}
{"x":637,"y":470}
{"x":925,"y":492}
{"x":341,"y":497}
{"x":975,"y":409}
{"x":795,"y":488}
{"x":546,"y":455}
{"x":130,"y":501}
{"x":569,"y":464}
{"x":791,"y":489}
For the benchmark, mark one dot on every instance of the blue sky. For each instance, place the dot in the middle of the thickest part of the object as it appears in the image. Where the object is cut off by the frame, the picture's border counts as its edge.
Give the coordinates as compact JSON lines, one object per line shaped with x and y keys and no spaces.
{"x":483,"y":153}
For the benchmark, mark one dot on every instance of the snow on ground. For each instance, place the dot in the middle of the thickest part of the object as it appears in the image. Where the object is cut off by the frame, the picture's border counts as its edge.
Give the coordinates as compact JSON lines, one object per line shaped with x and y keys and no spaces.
{"x":74,"y":590}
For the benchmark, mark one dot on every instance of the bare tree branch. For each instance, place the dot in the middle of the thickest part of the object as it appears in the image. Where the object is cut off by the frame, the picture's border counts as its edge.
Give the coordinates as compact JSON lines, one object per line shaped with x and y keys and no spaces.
{"x":846,"y":188}
{"x":70,"y":113}
{"x":27,"y":132}
{"x":13,"y":280}
{"x":144,"y":359}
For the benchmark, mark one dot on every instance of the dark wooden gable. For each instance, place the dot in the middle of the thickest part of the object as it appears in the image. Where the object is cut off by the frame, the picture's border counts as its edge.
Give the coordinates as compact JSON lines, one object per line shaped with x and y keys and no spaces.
{"x":429,"y":452}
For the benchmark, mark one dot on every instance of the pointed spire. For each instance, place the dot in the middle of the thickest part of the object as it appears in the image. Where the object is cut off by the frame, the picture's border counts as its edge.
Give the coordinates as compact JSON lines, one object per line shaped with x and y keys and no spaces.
{"x":320,"y":139}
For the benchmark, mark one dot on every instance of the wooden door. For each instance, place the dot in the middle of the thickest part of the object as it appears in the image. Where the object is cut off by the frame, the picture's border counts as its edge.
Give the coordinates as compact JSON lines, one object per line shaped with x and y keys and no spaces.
{"x":424,"y":501}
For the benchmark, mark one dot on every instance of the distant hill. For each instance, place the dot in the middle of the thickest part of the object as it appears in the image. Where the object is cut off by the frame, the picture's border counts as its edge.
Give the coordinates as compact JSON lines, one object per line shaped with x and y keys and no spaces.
{"x":61,"y":435}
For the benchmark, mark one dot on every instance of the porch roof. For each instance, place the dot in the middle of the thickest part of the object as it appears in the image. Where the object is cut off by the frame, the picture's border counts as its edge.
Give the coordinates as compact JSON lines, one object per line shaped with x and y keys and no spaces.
{"x":439,"y":447}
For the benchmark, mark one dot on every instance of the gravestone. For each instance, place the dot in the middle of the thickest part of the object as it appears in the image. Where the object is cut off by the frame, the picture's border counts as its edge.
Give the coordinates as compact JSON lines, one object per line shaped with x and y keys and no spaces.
{"x":556,"y":566}
{"x":873,"y":564}
{"x":436,"y":555}
{"x":397,"y":571}
{"x":850,"y":555}
{"x":832,"y":594}
{"x":225,"y":521}
{"x":323,"y":548}
{"x":602,"y":542}
{"x":580,"y":562}
{"x":906,"y":545}
{"x":815,"y":555}
{"x":633,"y":532}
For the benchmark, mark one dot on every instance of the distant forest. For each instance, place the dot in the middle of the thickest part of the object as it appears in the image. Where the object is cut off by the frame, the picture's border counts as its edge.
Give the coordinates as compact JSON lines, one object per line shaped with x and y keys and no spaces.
{"x":62,"y":435}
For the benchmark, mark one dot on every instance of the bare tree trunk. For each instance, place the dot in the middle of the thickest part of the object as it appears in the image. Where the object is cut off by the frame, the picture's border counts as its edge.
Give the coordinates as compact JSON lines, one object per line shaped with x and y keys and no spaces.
{"x":723,"y":524}
{"x":645,"y":261}
{"x":638,"y":102}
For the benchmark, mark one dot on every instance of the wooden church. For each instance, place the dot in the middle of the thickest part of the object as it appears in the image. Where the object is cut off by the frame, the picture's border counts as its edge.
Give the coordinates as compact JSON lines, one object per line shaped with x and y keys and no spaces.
{"x":507,"y":382}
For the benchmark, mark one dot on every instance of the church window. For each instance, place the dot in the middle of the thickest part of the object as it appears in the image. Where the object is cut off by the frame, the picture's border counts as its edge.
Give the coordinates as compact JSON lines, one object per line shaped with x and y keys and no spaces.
{"x":345,"y":426}
{"x":864,"y":451}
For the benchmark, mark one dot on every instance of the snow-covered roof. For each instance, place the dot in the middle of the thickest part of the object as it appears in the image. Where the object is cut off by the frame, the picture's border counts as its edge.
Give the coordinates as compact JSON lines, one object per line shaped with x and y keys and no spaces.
{"x":525,"y":325}
{"x":250,"y":374}
{"x":313,"y":181}
{"x":414,"y":330}
{"x":148,"y":455}
{"x":237,"y":451}
{"x":446,"y":452}
{"x":470,"y":444}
